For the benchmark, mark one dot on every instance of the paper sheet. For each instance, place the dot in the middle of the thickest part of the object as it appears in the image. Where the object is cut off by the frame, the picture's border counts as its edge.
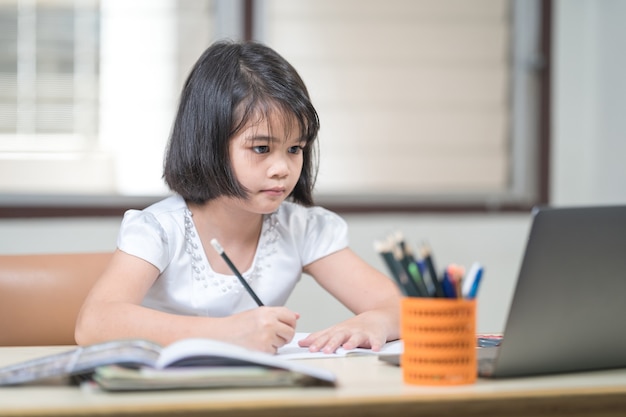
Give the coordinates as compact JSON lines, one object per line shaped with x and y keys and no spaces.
{"x":293,"y":351}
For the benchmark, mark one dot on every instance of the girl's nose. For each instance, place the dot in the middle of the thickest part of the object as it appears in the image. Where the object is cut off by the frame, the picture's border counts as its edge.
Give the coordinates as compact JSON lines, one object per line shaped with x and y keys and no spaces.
{"x":279,"y":167}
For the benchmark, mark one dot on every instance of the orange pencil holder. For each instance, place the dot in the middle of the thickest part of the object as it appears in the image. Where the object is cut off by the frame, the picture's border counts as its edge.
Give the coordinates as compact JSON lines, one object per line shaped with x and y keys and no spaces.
{"x":439,"y":336}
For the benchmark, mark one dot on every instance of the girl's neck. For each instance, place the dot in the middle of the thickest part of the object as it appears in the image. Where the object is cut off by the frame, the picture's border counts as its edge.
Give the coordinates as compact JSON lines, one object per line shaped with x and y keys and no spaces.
{"x":236,"y":229}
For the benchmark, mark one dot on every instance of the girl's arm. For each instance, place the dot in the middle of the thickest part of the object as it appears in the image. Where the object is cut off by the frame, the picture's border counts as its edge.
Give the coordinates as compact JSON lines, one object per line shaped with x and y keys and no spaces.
{"x":113,"y":310}
{"x":368,"y":293}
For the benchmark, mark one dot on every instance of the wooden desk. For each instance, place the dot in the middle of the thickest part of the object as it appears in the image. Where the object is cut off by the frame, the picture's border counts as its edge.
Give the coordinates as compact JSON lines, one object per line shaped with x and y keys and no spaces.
{"x":367,"y":387}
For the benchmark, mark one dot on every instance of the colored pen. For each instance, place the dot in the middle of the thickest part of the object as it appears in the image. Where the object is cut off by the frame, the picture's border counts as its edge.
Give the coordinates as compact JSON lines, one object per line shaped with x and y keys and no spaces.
{"x":472,"y":280}
{"x":427,"y":258}
{"x":447,"y":285}
{"x":405,"y":271}
{"x":409,"y":263}
{"x":456,"y":273}
{"x":219,"y":249}
{"x":453,"y":277}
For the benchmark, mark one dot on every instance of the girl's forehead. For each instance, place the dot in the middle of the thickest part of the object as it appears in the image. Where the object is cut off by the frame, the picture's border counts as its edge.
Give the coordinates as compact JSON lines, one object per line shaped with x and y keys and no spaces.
{"x":274,"y":121}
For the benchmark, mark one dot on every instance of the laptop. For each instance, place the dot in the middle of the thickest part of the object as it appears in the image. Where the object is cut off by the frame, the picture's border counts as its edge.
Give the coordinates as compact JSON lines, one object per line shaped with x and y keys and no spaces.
{"x":569,"y":306}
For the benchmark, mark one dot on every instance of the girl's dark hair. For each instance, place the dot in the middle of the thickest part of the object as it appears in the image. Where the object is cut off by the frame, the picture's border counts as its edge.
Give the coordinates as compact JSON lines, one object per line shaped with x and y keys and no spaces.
{"x":229,"y":85}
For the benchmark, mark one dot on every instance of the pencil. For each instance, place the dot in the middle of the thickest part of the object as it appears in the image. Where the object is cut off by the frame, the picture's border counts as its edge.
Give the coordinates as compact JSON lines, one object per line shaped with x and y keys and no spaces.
{"x":385,"y":249}
{"x":424,"y":284}
{"x":219,"y":249}
{"x":409,"y":263}
{"x":405,"y":273}
{"x":427,"y":256}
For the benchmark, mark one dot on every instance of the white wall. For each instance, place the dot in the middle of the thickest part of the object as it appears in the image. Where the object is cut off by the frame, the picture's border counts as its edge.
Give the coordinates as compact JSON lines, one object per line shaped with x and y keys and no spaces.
{"x":588,"y":147}
{"x":589,"y":100}
{"x":496,"y":240}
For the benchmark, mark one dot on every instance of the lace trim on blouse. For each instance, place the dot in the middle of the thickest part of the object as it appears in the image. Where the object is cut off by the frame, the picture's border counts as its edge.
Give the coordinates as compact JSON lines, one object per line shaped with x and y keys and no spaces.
{"x":203,"y":274}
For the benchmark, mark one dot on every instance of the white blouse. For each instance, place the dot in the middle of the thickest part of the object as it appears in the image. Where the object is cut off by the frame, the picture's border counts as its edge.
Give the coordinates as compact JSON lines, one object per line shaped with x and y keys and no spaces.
{"x":165,"y":235}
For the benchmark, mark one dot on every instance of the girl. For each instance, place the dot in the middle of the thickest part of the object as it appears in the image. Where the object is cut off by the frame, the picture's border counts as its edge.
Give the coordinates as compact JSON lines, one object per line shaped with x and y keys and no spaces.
{"x":240,"y":162}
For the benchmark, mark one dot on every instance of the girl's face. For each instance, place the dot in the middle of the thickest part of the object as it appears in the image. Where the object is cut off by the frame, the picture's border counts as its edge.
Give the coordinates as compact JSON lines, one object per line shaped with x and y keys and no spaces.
{"x":266,"y":156}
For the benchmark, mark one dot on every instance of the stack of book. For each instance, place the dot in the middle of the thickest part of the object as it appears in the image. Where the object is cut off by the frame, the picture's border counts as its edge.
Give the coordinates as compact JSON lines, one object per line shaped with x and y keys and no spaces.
{"x":137,"y":364}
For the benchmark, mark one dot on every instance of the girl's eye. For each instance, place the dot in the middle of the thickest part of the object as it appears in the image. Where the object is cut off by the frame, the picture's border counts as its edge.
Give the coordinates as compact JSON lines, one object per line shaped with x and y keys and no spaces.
{"x":261,"y":149}
{"x":295,"y":149}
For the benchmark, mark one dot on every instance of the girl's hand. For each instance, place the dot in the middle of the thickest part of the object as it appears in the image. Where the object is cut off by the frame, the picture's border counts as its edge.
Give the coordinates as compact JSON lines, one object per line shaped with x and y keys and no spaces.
{"x":367,"y":330}
{"x":365,"y":291}
{"x":264,"y":328}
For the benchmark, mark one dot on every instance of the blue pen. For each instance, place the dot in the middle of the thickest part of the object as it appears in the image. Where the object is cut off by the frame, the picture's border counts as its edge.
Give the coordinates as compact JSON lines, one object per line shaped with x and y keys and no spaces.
{"x":472,"y":281}
{"x":447,"y":285}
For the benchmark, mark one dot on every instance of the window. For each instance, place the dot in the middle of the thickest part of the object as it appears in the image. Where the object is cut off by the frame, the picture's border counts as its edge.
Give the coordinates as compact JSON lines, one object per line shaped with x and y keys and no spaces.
{"x":88,"y":91}
{"x":49,"y":68}
{"x":421,"y":102}
{"x":430,"y":102}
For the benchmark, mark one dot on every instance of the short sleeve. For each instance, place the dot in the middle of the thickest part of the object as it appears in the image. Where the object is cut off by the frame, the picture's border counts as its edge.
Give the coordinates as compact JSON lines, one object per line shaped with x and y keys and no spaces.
{"x":326,"y":233}
{"x":142,"y":235}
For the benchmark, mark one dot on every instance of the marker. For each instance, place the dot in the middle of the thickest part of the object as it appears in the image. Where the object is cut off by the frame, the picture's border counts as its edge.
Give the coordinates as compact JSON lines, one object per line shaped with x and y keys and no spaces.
{"x":220,"y":250}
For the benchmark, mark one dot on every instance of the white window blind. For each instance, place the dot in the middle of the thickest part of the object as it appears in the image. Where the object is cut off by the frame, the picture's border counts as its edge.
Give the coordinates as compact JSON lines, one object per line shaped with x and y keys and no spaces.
{"x":88,"y":90}
{"x":49,"y":67}
{"x":420,"y":101}
{"x":415,"y":97}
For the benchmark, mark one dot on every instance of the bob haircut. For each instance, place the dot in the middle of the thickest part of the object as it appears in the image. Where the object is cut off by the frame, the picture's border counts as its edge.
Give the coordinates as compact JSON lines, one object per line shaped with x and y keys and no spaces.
{"x":230,"y":85}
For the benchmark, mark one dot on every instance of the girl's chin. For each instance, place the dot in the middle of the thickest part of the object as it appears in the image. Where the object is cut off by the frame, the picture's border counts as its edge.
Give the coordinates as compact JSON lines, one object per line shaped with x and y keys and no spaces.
{"x":264,"y":207}
{"x":268,"y":209}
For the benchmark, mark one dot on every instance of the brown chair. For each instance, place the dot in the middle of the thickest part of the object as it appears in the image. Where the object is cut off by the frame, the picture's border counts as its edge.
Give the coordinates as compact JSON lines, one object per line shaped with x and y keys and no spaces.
{"x":41,"y":295}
